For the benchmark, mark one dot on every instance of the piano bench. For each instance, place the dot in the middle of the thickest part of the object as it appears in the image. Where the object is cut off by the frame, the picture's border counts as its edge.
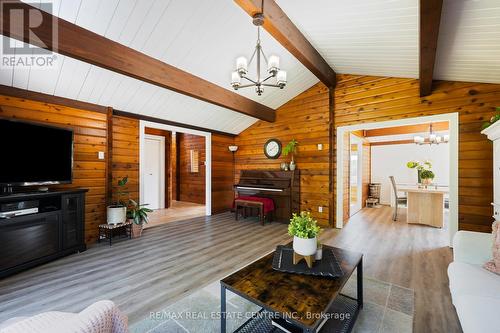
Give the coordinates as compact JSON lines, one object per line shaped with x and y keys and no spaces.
{"x":239,"y":203}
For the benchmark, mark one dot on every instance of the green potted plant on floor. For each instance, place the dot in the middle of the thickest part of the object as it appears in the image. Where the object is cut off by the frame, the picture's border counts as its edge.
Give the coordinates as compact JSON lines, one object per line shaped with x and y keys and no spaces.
{"x":304,"y":230}
{"x":291,"y":148}
{"x":138,"y":215}
{"x":427,"y":177}
{"x":117,"y":211}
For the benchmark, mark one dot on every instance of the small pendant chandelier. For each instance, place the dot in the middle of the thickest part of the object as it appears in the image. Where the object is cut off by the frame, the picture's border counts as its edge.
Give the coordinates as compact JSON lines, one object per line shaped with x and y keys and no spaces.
{"x":432,"y":139}
{"x":273,"y":65}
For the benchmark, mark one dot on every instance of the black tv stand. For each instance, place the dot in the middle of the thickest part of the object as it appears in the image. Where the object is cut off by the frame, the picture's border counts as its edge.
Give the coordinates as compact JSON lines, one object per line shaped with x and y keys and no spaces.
{"x":56,"y":230}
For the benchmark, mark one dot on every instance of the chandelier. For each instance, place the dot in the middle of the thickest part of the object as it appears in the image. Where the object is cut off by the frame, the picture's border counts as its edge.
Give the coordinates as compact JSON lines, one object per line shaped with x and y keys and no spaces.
{"x":433,"y":138}
{"x":272,"y":63}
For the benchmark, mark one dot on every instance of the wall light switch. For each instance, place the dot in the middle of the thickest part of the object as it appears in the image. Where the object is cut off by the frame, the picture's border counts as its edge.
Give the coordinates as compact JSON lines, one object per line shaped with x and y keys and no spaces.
{"x":320,"y":146}
{"x":100,"y":155}
{"x":320,"y":209}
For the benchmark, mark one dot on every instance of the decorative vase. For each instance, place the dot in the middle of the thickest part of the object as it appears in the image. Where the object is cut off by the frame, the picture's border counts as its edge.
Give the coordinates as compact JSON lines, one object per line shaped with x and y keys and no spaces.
{"x":419,"y":175}
{"x":137,"y":230}
{"x":305,"y":246}
{"x":319,"y":253}
{"x":292,"y":165}
{"x":117,"y":214}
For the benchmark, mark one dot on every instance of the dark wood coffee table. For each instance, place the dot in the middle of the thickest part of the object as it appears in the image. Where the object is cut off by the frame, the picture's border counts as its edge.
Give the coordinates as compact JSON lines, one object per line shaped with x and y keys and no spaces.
{"x":300,"y":303}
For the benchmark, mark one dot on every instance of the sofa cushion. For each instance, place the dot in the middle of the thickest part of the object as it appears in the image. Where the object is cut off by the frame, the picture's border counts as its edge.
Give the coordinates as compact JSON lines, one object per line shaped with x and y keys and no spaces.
{"x":478,"y":314}
{"x":468,"y":279}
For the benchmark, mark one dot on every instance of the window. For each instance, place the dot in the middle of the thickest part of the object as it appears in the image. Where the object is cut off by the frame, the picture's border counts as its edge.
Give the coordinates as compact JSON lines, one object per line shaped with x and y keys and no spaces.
{"x":194,"y":161}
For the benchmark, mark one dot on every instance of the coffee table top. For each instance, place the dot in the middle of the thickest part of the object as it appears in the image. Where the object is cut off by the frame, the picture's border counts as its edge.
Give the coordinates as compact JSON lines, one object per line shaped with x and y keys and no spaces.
{"x":303,"y":298}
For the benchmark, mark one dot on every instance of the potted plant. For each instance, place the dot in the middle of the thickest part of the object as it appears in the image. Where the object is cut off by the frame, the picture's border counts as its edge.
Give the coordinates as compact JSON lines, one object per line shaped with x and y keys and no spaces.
{"x":291,"y":148}
{"x":492,"y":120}
{"x":138,"y":215}
{"x":117,"y":211}
{"x":420,"y":167}
{"x":304,"y":230}
{"x":427,"y":177}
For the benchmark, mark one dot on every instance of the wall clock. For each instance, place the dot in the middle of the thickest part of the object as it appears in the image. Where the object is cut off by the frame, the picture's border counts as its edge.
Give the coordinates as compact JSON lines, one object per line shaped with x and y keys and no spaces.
{"x":272,"y":148}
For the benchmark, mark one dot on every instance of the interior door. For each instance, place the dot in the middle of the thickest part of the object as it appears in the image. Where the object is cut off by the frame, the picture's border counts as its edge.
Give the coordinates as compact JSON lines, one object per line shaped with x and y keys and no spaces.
{"x":154,"y":172}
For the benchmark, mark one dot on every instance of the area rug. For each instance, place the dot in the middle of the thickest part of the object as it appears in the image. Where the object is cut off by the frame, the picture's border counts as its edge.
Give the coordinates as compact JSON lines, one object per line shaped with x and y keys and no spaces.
{"x":387,"y":308}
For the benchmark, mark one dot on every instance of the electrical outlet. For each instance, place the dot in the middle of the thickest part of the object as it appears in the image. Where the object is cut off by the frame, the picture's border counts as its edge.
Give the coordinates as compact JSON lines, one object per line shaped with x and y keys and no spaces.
{"x":100,"y":155}
{"x":320,"y":209}
{"x":320,"y":146}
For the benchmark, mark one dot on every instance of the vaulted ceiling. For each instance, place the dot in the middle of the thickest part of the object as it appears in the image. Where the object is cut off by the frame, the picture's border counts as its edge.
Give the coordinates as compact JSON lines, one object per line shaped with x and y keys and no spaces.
{"x":376,"y":37}
{"x":380,"y":37}
{"x":201,"y":37}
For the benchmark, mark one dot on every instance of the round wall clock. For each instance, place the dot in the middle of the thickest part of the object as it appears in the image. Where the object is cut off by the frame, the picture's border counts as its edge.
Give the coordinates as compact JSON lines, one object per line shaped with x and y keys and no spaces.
{"x":272,"y":148}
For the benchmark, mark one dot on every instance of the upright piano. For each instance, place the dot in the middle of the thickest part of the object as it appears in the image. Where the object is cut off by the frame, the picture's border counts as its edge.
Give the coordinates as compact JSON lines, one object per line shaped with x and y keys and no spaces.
{"x":281,"y":186}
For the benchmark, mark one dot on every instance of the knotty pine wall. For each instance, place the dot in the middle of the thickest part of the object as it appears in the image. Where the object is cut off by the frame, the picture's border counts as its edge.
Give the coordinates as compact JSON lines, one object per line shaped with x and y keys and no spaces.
{"x":366,"y":99}
{"x":222,"y":173}
{"x":304,"y":118}
{"x":192,"y":185}
{"x":90,"y":137}
{"x":125,"y":155}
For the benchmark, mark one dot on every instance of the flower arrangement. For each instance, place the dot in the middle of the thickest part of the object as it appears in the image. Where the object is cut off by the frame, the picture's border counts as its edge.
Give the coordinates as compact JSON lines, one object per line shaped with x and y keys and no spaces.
{"x":427,"y":174}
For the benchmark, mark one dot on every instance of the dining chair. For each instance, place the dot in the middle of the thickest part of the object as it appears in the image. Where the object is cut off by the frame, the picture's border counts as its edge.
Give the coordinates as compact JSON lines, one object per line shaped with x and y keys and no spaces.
{"x":398,"y":199}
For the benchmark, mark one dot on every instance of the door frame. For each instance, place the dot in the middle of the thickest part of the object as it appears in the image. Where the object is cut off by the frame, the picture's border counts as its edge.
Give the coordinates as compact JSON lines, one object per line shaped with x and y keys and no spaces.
{"x":162,"y":166}
{"x":452,"y":119}
{"x":208,"y":157}
{"x":359,"y":194}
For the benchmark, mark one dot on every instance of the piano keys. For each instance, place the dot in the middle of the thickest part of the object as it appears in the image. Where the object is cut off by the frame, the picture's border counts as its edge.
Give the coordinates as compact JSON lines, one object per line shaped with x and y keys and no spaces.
{"x":281,"y":186}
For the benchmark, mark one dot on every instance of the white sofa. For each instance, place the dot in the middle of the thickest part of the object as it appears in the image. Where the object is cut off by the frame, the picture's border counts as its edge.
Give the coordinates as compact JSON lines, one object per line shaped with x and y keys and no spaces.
{"x":475,"y":291}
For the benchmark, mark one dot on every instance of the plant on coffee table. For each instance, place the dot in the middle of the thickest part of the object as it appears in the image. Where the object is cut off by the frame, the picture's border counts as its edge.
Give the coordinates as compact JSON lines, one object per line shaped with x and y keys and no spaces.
{"x":304,"y":230}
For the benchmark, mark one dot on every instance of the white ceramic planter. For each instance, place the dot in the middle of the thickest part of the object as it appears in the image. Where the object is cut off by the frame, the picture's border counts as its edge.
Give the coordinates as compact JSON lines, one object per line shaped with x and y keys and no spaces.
{"x":117,"y":214}
{"x":305,"y":246}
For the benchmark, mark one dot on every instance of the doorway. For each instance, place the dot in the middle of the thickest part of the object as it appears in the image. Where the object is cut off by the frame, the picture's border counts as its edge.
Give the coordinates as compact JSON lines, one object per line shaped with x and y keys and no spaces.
{"x":186,"y":190}
{"x":154,"y":171}
{"x":343,"y":145}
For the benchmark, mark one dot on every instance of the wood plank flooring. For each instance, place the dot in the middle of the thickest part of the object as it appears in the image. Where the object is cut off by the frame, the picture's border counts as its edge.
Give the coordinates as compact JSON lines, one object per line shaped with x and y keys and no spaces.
{"x":409,"y":255}
{"x":175,"y":259}
{"x":178,"y":211}
{"x":145,"y":274}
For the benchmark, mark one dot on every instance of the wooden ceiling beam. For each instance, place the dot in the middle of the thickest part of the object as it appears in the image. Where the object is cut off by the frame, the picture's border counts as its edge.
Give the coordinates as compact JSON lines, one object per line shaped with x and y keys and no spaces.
{"x":279,"y":25}
{"x":408,"y":129}
{"x":430,"y":17}
{"x":82,"y":44}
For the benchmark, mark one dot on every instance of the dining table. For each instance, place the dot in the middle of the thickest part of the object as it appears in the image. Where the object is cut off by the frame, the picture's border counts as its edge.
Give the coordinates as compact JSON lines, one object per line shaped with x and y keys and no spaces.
{"x":425,"y":204}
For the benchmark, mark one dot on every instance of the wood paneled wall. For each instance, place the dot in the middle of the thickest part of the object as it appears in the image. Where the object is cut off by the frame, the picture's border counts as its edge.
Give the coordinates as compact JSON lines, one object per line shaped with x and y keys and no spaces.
{"x":366,"y":99}
{"x":306,"y":119}
{"x":222,"y":173}
{"x":90,"y":137}
{"x":125,"y":155}
{"x":192,"y":185}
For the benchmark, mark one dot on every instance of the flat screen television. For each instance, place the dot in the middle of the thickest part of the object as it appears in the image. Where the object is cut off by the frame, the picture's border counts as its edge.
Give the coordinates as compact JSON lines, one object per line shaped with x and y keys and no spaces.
{"x":34,"y":154}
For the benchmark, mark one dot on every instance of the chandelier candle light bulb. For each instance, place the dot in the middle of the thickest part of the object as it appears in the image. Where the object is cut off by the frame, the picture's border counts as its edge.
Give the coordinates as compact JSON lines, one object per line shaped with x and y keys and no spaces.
{"x":242,"y":65}
{"x":281,"y":79}
{"x":235,"y":80}
{"x":273,"y":65}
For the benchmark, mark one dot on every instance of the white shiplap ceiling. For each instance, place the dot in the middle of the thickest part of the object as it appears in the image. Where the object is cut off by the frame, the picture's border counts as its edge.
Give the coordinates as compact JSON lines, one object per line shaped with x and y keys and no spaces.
{"x":201,"y":37}
{"x":380,"y":37}
{"x":368,"y":37}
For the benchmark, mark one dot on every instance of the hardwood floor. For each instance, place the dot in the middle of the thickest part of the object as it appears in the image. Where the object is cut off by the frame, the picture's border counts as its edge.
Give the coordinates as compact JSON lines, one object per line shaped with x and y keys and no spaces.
{"x":177,"y":258}
{"x":145,"y":274}
{"x":409,"y":255}
{"x":178,"y":211}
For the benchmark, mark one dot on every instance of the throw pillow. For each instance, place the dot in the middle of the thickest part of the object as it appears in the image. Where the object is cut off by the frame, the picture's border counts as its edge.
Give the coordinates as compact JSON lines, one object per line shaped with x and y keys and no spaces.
{"x":494,"y":264}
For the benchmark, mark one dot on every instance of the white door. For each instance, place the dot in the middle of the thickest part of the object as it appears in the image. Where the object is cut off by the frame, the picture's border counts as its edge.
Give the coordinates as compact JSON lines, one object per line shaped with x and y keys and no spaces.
{"x":154,"y":171}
